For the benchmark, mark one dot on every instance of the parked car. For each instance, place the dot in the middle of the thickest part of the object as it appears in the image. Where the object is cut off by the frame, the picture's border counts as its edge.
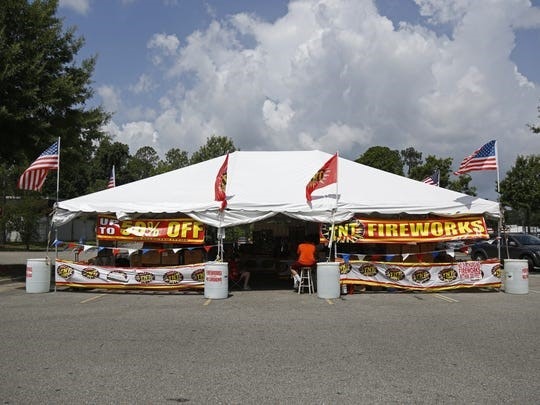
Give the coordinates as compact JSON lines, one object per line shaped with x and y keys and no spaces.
{"x":517,"y":245}
{"x":459,"y":246}
{"x":454,"y":244}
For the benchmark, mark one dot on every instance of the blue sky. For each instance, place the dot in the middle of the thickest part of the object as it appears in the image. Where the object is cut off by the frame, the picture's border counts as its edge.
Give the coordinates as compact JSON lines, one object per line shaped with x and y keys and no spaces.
{"x":443,"y":76}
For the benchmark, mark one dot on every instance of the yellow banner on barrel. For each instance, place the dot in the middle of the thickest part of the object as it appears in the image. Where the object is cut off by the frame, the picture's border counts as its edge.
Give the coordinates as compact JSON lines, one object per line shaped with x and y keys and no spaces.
{"x":180,"y":230}
{"x":361,"y":230}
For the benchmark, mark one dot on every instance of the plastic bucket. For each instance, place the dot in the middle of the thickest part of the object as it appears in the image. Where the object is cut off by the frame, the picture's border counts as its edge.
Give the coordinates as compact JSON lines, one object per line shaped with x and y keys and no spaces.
{"x":516,"y":276}
{"x":216,"y":280}
{"x":38,"y":275}
{"x":328,"y":280}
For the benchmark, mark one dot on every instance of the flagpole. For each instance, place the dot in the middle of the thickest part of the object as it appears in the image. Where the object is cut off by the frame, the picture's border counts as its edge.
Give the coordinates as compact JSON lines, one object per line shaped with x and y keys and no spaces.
{"x":56,"y":207}
{"x":332,"y":231}
{"x":331,"y":236}
{"x":58,"y":174}
{"x":220,"y":186}
{"x":501,"y":213}
{"x":220,"y":237}
{"x":497,"y":160}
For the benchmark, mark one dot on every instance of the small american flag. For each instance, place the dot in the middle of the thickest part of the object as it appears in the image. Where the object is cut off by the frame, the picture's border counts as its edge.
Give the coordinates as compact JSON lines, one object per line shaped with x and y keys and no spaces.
{"x":34,"y":177}
{"x":433,"y":179}
{"x":484,"y":158}
{"x":112,"y":179}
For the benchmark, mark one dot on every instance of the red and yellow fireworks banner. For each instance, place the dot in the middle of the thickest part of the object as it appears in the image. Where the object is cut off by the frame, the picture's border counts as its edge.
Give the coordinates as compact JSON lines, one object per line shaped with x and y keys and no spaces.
{"x":72,"y":274}
{"x":361,"y":230}
{"x":181,"y":230}
{"x":423,"y":276}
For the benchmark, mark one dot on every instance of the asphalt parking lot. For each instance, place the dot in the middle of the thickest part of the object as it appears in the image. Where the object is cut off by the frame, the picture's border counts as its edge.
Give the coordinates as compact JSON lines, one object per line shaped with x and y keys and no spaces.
{"x":269,"y":346}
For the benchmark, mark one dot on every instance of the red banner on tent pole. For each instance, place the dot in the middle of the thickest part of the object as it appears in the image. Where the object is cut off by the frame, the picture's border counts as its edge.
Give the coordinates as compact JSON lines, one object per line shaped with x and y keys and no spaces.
{"x":220,"y":185}
{"x":326,"y":175}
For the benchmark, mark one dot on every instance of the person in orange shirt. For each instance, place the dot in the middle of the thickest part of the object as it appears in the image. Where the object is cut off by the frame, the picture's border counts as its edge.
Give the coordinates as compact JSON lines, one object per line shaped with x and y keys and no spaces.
{"x":307,"y":257}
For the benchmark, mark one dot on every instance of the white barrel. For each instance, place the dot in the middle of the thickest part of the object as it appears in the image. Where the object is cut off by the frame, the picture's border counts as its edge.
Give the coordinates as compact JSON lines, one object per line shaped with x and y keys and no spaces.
{"x":328,"y":280}
{"x":216,"y":280}
{"x":38,"y":275}
{"x":516,"y":276}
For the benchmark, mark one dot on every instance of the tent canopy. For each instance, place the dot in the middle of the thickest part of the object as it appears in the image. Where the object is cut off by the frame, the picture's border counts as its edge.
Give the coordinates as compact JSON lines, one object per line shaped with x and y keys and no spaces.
{"x":263,"y":184}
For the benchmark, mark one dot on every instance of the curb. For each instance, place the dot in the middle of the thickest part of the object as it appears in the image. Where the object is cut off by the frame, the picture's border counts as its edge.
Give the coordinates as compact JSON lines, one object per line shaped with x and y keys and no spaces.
{"x":12,"y":280}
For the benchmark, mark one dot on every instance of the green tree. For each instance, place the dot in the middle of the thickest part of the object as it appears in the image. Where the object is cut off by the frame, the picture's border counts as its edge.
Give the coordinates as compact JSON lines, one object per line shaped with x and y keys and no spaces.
{"x":411,"y":158}
{"x":520,"y":189}
{"x":43,"y":90}
{"x":215,"y":146}
{"x":462,"y":185}
{"x":107,"y":155}
{"x":444,"y":165}
{"x":8,"y":179}
{"x":382,"y":157}
{"x":24,"y":217}
{"x":142,"y":165}
{"x":174,"y":159}
{"x":432,"y":163}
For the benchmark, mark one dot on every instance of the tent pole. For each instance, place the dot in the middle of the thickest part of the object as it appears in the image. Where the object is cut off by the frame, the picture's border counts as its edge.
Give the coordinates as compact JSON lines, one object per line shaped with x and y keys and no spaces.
{"x":332,"y":233}
{"x":220,"y":237}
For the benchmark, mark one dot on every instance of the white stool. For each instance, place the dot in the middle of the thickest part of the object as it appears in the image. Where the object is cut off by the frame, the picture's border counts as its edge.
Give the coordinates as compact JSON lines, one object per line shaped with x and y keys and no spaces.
{"x":306,"y":280}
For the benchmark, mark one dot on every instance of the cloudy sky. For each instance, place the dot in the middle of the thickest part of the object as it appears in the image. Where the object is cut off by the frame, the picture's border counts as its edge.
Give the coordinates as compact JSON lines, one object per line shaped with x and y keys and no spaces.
{"x":442,"y":76}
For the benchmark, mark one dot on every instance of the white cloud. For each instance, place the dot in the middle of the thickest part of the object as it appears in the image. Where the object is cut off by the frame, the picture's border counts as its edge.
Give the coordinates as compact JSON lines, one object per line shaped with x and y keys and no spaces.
{"x":444,"y":11}
{"x":111,"y":98}
{"x":277,"y":115}
{"x":79,"y":6}
{"x":334,"y":74}
{"x":519,"y":13}
{"x":143,"y":85}
{"x":134,"y":134}
{"x":163,"y":47}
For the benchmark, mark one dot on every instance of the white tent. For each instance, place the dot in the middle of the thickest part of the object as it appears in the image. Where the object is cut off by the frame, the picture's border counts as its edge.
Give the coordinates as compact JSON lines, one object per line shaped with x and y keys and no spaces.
{"x":263,"y":184}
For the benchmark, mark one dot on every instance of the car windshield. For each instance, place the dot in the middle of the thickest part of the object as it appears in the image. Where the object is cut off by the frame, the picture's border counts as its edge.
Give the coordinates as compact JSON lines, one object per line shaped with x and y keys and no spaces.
{"x":527,"y":239}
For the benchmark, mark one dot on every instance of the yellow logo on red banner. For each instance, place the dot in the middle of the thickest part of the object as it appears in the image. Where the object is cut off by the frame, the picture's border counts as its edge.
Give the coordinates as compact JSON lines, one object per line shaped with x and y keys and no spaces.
{"x":362,"y":230}
{"x":181,"y":230}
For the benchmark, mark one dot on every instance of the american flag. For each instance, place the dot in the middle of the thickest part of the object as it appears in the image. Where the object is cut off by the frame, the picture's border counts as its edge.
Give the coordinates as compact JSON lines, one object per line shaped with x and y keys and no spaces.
{"x":484,"y":158}
{"x":34,"y":177}
{"x":433,"y":179}
{"x":112,"y":179}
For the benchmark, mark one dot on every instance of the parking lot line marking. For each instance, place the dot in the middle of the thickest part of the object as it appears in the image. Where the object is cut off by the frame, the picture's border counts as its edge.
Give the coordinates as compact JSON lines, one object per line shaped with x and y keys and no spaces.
{"x":445,"y":298}
{"x":208,"y":301}
{"x":92,"y":298}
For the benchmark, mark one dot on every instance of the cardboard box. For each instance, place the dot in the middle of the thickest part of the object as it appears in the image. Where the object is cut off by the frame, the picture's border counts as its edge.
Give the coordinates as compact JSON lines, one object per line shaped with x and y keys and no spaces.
{"x":151,"y":258}
{"x":170,"y":258}
{"x":135,"y":260}
{"x":193,"y":256}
